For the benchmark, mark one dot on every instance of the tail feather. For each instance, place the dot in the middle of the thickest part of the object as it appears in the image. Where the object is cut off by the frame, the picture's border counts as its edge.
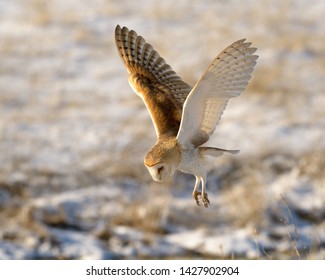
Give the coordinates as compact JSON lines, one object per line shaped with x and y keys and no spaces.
{"x":217,"y":152}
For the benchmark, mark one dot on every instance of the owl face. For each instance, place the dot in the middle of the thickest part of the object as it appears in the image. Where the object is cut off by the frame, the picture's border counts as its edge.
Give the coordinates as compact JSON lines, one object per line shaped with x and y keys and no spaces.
{"x":163,"y":159}
{"x":160,"y":172}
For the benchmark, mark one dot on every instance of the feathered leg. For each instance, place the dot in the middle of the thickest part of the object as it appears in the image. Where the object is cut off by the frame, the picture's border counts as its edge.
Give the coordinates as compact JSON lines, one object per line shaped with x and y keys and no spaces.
{"x":195,"y":193}
{"x":205,"y":199}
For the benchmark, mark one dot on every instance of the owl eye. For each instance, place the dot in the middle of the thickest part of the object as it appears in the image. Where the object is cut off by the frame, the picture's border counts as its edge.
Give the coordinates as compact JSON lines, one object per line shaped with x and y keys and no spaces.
{"x":160,"y":169}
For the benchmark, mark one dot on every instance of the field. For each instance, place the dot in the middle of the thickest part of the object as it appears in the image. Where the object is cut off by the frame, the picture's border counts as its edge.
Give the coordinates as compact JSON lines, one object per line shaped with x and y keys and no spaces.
{"x":73,"y":134}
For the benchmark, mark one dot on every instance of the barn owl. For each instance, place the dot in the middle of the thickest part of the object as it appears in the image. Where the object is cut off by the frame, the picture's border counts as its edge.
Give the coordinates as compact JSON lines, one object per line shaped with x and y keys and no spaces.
{"x":184,"y":117}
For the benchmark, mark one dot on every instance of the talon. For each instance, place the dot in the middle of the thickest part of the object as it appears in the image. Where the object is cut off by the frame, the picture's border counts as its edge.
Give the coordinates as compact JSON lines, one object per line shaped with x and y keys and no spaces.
{"x":205,"y":200}
{"x":196,"y":195}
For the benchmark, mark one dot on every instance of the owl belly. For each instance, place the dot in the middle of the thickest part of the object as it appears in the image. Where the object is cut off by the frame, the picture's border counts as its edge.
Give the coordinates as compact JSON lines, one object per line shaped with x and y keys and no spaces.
{"x":192,"y":162}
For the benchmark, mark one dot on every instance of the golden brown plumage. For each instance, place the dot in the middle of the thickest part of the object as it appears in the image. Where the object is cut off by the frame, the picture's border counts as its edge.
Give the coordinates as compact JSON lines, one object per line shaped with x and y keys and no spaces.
{"x":161,"y":89}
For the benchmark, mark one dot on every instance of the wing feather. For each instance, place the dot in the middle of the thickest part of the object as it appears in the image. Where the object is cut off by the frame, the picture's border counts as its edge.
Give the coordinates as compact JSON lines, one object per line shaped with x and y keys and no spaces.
{"x":162,"y":91}
{"x":226,"y":77}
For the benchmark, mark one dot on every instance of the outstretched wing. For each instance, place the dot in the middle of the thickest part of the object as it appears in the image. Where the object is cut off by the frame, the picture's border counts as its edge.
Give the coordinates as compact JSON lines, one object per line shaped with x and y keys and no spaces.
{"x":226,"y":77}
{"x":153,"y":80}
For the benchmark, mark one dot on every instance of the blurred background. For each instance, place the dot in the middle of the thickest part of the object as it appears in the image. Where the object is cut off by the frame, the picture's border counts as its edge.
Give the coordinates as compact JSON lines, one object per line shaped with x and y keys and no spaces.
{"x":73,"y":134}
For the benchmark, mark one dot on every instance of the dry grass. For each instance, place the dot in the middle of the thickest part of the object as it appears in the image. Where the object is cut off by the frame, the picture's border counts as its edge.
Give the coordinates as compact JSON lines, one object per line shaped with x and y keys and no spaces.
{"x":312,"y":165}
{"x":245,"y":203}
{"x":144,"y":215}
{"x":40,"y":12}
{"x":299,"y":248}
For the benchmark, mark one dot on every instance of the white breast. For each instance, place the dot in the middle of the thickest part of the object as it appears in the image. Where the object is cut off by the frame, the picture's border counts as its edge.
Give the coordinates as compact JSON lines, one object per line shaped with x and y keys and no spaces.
{"x":192,"y":162}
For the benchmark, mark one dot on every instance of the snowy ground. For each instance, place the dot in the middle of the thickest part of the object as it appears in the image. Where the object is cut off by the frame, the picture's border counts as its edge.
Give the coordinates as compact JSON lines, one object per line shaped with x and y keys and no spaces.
{"x":73,"y":135}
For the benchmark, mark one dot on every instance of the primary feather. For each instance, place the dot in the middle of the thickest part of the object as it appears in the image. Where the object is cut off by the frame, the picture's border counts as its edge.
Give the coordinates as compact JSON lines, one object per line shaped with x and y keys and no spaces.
{"x":162,"y":91}
{"x":226,"y":77}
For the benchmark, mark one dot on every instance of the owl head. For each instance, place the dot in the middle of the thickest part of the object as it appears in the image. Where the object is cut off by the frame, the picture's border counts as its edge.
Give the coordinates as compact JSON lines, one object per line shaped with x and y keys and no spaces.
{"x":163,"y":159}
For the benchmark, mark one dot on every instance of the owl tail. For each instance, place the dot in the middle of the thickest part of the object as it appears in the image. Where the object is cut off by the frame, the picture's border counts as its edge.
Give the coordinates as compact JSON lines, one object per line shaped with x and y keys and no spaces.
{"x":216,"y":152}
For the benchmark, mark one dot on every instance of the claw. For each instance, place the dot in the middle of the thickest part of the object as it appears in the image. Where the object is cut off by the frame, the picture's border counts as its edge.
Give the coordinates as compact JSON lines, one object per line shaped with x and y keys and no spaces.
{"x":196,"y":194}
{"x":205,"y":200}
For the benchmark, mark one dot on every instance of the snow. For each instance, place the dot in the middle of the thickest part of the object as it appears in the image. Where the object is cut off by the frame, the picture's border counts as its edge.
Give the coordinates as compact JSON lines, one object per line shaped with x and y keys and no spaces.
{"x":73,"y":134}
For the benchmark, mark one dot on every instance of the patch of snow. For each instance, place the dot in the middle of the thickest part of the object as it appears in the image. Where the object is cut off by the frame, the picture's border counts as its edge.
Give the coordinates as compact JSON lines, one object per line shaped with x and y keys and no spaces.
{"x":9,"y":251}
{"x":75,"y":245}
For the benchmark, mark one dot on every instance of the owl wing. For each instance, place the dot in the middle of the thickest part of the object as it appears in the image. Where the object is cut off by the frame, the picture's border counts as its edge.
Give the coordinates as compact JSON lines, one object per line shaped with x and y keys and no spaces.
{"x":226,"y":77}
{"x":162,"y":91}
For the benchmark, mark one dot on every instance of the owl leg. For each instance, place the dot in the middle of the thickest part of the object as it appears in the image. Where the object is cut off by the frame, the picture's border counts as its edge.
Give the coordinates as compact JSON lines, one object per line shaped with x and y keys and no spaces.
{"x":203,"y":194}
{"x":195,"y":193}
{"x":205,"y":199}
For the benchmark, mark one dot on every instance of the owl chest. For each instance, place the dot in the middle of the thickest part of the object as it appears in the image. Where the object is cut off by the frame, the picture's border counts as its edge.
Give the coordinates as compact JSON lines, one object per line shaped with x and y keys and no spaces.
{"x":191,"y":162}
